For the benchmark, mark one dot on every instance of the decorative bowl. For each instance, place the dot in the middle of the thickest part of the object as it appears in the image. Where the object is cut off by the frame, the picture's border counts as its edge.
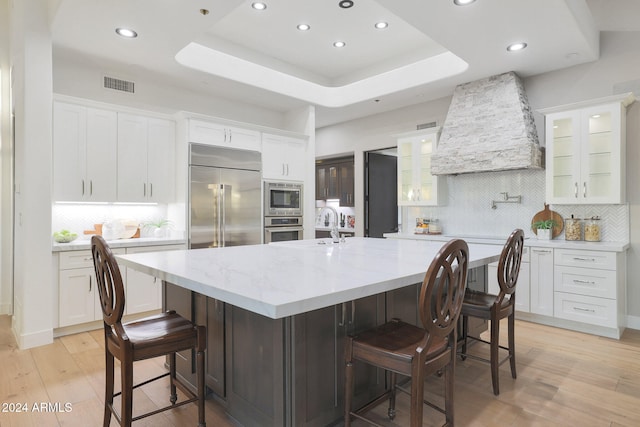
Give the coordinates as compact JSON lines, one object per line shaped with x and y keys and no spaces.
{"x":64,"y":236}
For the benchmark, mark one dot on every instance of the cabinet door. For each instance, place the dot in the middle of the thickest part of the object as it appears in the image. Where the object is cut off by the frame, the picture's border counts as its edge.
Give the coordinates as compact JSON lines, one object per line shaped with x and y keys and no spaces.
{"x":69,"y":151}
{"x":101,"y":163}
{"x":321,"y":182}
{"x":601,"y":157}
{"x":181,"y":300}
{"x":563,"y":157}
{"x":76,"y":296}
{"x":132,"y":158}
{"x":541,"y":283}
{"x":585,"y":161}
{"x":345,"y":172}
{"x":207,"y":133}
{"x":160,"y":161}
{"x":215,"y":375}
{"x":246,"y":139}
{"x":416,"y":185}
{"x":143,"y":291}
{"x":283,"y":158}
{"x":406,"y":190}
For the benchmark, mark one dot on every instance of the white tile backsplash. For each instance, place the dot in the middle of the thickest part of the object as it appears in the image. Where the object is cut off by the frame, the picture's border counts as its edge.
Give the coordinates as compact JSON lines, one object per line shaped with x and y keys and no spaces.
{"x":80,"y":217}
{"x":468,"y":210}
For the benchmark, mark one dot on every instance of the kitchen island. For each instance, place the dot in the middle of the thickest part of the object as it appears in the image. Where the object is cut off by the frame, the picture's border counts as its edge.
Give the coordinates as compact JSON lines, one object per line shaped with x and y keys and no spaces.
{"x":277,"y":315}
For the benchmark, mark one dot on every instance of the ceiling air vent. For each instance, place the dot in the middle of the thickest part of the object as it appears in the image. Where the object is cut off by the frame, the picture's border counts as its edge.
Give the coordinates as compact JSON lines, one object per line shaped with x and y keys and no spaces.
{"x":426,"y":125}
{"x":117,"y":84}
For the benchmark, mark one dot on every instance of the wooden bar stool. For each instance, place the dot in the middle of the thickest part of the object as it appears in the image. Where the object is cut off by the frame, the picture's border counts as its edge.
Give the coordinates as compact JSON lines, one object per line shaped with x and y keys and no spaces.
{"x":497,"y":307}
{"x":164,"y":334}
{"x":409,"y":350}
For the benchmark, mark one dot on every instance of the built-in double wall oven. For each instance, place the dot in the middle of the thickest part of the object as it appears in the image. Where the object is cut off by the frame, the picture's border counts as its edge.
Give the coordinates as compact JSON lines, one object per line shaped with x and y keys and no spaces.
{"x":282,"y":211}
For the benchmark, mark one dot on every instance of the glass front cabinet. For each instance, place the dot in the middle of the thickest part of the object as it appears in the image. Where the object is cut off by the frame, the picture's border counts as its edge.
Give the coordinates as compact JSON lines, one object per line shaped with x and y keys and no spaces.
{"x":416,"y":185}
{"x":585,"y":147}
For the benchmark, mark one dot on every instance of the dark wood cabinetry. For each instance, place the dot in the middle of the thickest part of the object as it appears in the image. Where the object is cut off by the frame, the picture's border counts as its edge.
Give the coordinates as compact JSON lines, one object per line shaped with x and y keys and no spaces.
{"x":319,"y":338}
{"x":335,"y":180}
{"x":258,"y":364}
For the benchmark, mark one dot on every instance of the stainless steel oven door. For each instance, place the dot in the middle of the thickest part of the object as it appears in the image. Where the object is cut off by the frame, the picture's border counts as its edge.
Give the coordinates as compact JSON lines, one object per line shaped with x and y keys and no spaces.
{"x":282,"y":234}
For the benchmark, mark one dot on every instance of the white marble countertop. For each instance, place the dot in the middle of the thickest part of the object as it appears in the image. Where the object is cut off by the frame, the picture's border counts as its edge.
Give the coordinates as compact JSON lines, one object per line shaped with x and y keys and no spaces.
{"x":529,"y":241}
{"x":287,"y":278}
{"x":85,"y":244}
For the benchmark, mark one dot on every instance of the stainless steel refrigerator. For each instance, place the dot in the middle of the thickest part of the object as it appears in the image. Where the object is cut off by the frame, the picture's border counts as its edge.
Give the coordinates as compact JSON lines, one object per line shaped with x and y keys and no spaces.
{"x":224,"y":197}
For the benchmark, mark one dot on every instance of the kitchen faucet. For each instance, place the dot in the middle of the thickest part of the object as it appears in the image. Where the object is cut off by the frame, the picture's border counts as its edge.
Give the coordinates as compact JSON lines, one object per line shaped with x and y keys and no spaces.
{"x":335,"y":236}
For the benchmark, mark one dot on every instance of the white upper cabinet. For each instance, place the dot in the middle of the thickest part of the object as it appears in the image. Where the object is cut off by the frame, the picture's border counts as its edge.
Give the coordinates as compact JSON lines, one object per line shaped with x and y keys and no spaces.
{"x":416,"y":185}
{"x":210,"y":133}
{"x":146,"y":152}
{"x":84,"y":153}
{"x":585,"y":152}
{"x":283,"y":157}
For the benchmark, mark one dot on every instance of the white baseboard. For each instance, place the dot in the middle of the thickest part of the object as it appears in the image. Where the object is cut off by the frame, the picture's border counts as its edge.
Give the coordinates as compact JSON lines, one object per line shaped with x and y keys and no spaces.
{"x":34,"y":339}
{"x":633,"y":322}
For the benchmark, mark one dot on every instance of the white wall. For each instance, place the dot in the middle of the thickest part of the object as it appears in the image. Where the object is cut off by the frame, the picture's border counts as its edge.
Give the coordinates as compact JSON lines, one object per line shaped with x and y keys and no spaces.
{"x":79,"y":77}
{"x":6,"y":167}
{"x":617,"y":70}
{"x":32,"y":99}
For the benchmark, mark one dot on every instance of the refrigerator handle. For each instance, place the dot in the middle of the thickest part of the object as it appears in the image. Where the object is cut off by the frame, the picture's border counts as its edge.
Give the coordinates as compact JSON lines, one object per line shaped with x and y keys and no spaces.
{"x":222,"y":208}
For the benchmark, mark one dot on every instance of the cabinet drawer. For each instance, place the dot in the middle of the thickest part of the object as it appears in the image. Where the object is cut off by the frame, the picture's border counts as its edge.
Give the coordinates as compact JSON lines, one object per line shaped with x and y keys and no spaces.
{"x":589,"y":259}
{"x":80,"y":259}
{"x":585,"y":281}
{"x":586,"y":309}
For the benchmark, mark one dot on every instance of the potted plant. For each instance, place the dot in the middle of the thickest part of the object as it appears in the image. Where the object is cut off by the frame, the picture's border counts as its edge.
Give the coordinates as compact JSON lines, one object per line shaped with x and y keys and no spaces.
{"x":544,"y":228}
{"x":157,"y":228}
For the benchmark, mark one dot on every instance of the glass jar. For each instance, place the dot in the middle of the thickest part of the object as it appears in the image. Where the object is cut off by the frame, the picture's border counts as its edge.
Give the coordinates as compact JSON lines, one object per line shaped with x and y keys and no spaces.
{"x":572,"y":228}
{"x":592,"y":229}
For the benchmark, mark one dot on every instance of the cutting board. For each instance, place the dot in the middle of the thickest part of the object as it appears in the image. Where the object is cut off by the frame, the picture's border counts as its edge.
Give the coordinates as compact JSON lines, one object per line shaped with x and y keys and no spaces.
{"x":546,"y":214}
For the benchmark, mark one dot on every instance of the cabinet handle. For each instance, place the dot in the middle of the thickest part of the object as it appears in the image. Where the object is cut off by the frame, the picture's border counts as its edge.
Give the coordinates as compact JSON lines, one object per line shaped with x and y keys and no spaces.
{"x":353,"y":312}
{"x":91,"y":187}
{"x":344,"y":314}
{"x":283,"y":170}
{"x":83,"y":187}
{"x":151,"y":189}
{"x":144,"y":189}
{"x":584,"y":282}
{"x":90,"y":284}
{"x":576,"y":258}
{"x":575,"y":190}
{"x":584,"y":189}
{"x":230,"y":135}
{"x":586,"y":310}
{"x":287,"y":169}
{"x":541,"y":251}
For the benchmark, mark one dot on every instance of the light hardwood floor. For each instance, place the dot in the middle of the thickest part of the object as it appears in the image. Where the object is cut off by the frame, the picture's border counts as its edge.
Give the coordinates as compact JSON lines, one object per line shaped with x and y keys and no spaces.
{"x":564,"y":379}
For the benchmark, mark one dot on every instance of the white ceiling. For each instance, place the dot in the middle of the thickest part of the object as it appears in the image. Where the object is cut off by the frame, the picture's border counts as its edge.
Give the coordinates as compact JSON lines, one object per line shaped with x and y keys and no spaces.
{"x":260,"y":57}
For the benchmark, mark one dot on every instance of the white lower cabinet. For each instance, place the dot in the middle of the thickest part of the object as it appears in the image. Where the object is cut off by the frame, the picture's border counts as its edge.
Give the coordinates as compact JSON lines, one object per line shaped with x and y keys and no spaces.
{"x":143,"y":291}
{"x":522,"y":287}
{"x":78,"y":300}
{"x":587,"y":284}
{"x":541,"y":281}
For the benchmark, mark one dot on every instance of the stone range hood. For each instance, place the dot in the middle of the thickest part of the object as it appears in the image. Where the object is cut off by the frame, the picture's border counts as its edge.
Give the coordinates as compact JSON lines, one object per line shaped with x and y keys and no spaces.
{"x":489,"y":127}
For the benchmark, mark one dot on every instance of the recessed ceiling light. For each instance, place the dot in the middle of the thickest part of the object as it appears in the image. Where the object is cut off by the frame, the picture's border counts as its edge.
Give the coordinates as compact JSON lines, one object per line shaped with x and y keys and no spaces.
{"x":303,"y":27}
{"x":259,"y":5}
{"x":381,"y":25}
{"x":345,"y":4}
{"x":339,"y":44}
{"x":516,"y":46}
{"x":595,"y":116}
{"x":204,"y":12}
{"x":463,"y":2}
{"x":126,"y":32}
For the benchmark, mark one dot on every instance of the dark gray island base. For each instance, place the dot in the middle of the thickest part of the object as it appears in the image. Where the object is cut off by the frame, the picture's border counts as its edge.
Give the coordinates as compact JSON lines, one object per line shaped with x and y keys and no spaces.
{"x":289,"y":371}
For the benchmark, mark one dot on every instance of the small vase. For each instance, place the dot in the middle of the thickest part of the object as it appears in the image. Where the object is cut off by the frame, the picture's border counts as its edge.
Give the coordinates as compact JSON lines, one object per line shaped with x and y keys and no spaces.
{"x":544,"y":233}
